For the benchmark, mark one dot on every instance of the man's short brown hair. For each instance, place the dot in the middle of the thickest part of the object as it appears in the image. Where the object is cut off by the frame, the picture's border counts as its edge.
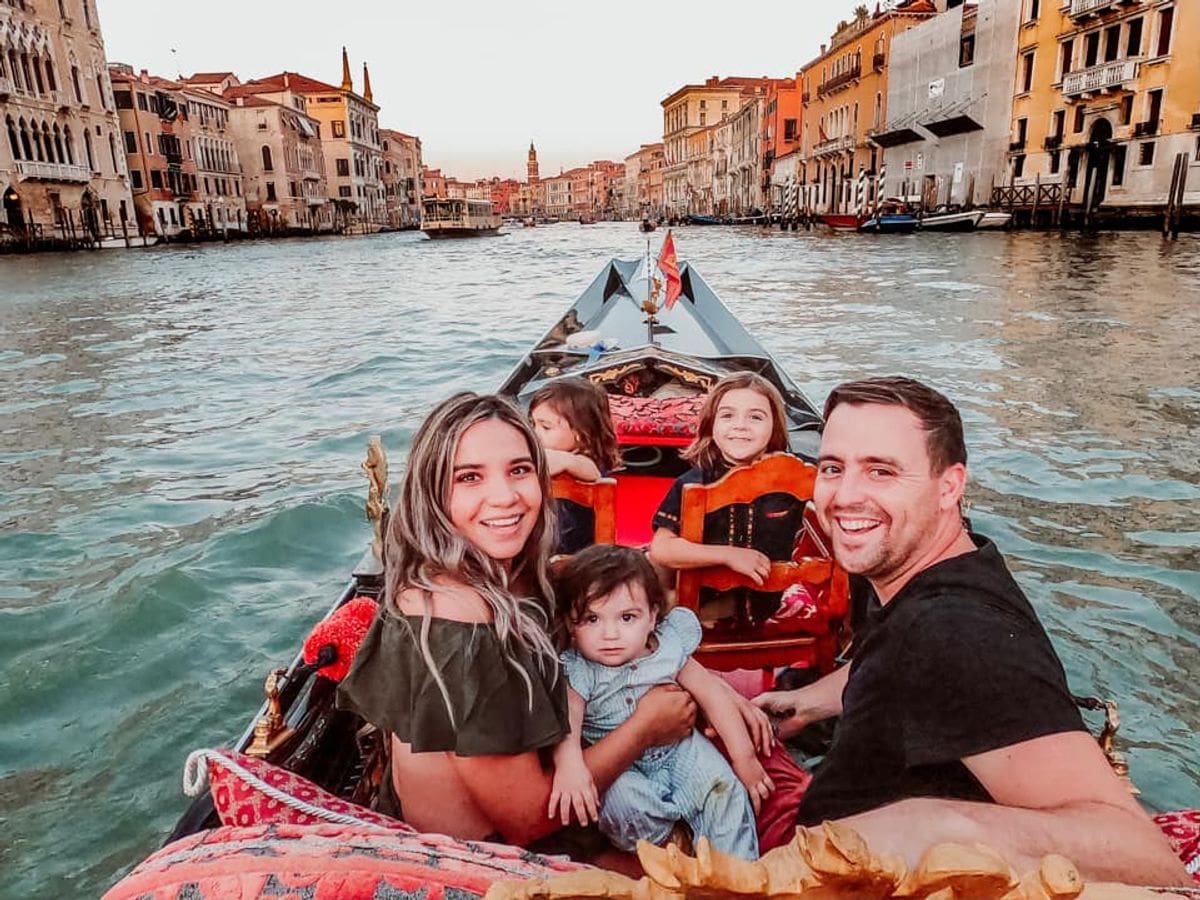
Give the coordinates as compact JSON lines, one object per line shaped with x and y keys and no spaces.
{"x":937,"y":415}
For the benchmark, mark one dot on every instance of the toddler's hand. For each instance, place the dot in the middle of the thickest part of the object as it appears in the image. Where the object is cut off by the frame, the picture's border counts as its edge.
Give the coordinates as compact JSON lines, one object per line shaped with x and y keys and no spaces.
{"x":749,"y":562}
{"x":758,"y":783}
{"x":574,"y":790}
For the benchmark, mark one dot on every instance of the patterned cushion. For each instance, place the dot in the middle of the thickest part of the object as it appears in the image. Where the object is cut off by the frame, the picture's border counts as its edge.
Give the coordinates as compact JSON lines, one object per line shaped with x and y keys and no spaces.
{"x":248,"y":791}
{"x":340,"y":861}
{"x":670,"y":420}
{"x":1183,"y":832}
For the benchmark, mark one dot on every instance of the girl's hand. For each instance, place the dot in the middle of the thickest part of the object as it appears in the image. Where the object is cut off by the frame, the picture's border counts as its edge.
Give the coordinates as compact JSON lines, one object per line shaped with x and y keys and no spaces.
{"x":573,"y":790}
{"x":758,"y":783}
{"x":749,"y":562}
{"x":666,"y":715}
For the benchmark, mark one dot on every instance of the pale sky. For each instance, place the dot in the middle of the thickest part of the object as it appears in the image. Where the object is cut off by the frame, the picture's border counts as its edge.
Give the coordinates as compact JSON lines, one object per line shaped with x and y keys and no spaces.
{"x":477,"y":80}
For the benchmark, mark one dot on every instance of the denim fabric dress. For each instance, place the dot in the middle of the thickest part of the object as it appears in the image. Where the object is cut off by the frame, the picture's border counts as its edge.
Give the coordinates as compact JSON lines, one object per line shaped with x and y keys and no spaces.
{"x":689,"y":781}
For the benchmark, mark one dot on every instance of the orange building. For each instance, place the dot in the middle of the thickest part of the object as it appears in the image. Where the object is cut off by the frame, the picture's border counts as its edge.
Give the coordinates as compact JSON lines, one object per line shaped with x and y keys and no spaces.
{"x":844,"y":93}
{"x":433,"y":183}
{"x":780,"y":139}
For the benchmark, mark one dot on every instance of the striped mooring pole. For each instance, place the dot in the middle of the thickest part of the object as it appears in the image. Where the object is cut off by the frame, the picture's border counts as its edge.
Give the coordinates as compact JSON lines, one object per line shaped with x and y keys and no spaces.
{"x":861,"y":192}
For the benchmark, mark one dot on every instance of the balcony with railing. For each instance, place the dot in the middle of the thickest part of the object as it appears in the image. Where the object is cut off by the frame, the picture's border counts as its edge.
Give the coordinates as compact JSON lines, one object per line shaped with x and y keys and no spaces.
{"x":1097,"y":79}
{"x":834,"y":145}
{"x":837,"y":82}
{"x":1083,"y":9}
{"x":28,"y":170}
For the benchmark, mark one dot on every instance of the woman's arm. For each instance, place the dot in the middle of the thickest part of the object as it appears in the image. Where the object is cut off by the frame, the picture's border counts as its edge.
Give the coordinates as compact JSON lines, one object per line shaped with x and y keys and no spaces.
{"x":670,"y":550}
{"x":574,"y":464}
{"x":513,"y":792}
{"x":725,"y":717}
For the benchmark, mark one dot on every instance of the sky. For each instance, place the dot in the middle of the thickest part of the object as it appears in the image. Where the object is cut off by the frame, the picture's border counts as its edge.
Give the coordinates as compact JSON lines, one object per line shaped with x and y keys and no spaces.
{"x":476,"y":81}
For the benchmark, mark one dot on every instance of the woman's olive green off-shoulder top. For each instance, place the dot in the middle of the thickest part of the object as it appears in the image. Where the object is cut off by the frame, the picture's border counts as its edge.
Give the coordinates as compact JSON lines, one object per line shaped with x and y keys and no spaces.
{"x":391,"y":686}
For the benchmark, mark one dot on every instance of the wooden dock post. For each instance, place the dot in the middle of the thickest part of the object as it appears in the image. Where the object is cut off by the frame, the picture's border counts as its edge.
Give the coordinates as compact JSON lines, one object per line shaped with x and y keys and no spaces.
{"x":1037,"y":196}
{"x":1169,"y":212}
{"x":1183,"y":176}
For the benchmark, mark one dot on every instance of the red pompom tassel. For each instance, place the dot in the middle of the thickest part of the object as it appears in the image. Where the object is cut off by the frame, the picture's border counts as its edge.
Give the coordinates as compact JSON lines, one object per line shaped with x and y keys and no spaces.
{"x":345,"y":630}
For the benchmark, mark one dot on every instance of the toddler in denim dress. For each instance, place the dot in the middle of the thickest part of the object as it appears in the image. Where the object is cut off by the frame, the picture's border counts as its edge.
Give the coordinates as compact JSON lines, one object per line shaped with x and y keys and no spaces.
{"x":611,"y":601}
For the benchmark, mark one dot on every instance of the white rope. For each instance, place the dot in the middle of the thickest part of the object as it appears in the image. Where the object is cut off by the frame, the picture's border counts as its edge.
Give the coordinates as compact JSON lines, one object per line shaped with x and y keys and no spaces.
{"x":195,"y":778}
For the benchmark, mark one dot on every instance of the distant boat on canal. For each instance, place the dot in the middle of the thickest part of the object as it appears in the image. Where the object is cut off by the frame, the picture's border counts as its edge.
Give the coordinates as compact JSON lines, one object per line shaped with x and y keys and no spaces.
{"x":456,"y":218}
{"x":967,"y":220}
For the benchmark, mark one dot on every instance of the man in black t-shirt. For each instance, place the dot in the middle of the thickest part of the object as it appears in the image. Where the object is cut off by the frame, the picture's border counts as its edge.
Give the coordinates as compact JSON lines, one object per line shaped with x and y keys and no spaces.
{"x":956,"y":723}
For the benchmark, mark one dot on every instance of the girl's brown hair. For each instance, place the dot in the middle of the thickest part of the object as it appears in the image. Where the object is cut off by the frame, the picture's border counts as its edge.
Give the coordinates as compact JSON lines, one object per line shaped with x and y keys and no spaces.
{"x":585,"y":407}
{"x":599,"y":570}
{"x":704,"y":453}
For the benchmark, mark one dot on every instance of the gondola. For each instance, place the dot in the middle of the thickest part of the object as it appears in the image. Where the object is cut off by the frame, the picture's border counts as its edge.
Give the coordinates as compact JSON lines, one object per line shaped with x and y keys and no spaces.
{"x":656,"y":368}
{"x":656,"y":365}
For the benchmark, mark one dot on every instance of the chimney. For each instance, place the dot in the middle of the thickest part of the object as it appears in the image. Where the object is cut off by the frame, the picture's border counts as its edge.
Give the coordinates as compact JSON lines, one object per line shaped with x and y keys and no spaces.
{"x":287,"y":80}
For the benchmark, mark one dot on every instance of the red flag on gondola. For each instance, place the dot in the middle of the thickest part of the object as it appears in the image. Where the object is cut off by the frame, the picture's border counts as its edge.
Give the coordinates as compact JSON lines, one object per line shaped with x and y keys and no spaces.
{"x":669,"y":266}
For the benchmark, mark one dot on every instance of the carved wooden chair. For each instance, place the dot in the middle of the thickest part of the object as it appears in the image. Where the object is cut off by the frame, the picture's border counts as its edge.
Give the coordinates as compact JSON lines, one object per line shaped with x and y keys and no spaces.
{"x":598,"y":496}
{"x":802,"y":644}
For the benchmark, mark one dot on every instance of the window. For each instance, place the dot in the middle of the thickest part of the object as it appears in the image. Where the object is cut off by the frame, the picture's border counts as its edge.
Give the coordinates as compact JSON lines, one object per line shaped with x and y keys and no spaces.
{"x":1055,"y":161}
{"x":343,"y":168}
{"x":1146,"y":154}
{"x":1064,"y":66}
{"x":1091,"y":49}
{"x":112,"y":150}
{"x":789,"y":129}
{"x":1118,"y":165}
{"x":1034,"y":10}
{"x":124,"y":99}
{"x":141,"y":101}
{"x":135,"y":178}
{"x":1166,"y":19}
{"x":292,"y":185}
{"x":1133,"y":44}
{"x":339,"y":128}
{"x":966,"y":50}
{"x":75,"y":84}
{"x":1078,"y":126}
{"x":1127,"y":109}
{"x":266,"y":159}
{"x":1022,"y":131}
{"x":271,"y":192}
{"x":1018,"y":166}
{"x":1154,"y":108}
{"x":1112,"y":42}
{"x":130,"y":142}
{"x":155,"y":178}
{"x":1059,"y":123}
{"x":100,"y":92}
{"x":344,"y":190}
{"x":1027,"y":73}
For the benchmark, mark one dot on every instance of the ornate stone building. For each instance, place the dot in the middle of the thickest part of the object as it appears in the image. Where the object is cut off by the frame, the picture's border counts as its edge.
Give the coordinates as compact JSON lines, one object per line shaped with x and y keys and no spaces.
{"x":401,"y":177}
{"x":62,"y":169}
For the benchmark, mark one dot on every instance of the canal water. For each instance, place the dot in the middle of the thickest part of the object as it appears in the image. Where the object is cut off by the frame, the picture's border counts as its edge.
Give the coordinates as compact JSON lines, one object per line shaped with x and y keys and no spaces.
{"x":182,"y":427}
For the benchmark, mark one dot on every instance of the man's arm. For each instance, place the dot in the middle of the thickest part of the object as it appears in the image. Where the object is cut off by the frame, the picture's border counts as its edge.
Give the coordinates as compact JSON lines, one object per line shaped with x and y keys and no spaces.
{"x":1054,"y":794}
{"x":812,"y":703}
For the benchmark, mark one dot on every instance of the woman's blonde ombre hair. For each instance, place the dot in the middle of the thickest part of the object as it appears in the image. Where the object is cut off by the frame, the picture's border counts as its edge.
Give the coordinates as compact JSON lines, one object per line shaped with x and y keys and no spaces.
{"x":423,"y":544}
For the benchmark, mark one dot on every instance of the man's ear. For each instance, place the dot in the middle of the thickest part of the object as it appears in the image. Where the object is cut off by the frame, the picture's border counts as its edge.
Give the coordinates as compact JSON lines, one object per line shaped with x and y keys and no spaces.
{"x":951,"y":484}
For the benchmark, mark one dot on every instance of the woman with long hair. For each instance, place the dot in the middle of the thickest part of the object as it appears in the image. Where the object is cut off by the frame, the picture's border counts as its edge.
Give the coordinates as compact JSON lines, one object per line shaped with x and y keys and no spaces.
{"x":459,"y":667}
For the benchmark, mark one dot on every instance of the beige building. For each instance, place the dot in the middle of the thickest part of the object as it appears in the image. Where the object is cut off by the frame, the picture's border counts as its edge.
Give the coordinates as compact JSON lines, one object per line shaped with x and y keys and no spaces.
{"x":401,"y":177}
{"x":62,"y":169}
{"x":556,"y":195}
{"x":218,"y":203}
{"x":692,"y":107}
{"x":282,"y":160}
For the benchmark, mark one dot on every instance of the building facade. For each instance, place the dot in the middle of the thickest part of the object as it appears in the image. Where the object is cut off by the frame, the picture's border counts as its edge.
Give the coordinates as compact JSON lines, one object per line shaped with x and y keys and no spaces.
{"x":283,"y":164}
{"x":949,"y":103}
{"x":844,"y":94}
{"x":218,"y":203}
{"x":780,"y":139}
{"x":1106,"y":95}
{"x":62,"y":168}
{"x":401,"y":177}
{"x":156,"y":139}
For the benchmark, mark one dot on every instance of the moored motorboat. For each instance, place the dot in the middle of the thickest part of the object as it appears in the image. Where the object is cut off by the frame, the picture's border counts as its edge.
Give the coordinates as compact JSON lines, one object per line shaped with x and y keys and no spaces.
{"x":967,"y":220}
{"x":700,"y":219}
{"x":842,"y":221}
{"x":457,"y":218}
{"x":889,"y":223}
{"x":994,"y":220}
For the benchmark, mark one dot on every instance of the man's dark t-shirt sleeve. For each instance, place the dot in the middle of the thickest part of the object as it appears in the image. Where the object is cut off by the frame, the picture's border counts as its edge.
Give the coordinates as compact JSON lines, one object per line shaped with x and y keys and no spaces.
{"x":977,"y":678}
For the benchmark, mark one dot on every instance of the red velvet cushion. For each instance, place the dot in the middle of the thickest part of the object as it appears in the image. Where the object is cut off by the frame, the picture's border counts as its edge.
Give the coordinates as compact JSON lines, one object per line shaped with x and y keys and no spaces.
{"x":1183,"y":832}
{"x":241,"y":798}
{"x":648,"y":420}
{"x":326,"y":861}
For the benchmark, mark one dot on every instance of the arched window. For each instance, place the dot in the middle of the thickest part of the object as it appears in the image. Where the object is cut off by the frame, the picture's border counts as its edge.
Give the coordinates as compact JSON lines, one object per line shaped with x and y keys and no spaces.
{"x":58,"y":144}
{"x":68,"y":144}
{"x":37,"y":75}
{"x":38,"y":154}
{"x":25,"y":69}
{"x":25,"y":141}
{"x":51,"y":81}
{"x":112,"y":149}
{"x":266,"y":157}
{"x":15,"y":68}
{"x":49,"y":144}
{"x":14,"y":142}
{"x":87,"y":146}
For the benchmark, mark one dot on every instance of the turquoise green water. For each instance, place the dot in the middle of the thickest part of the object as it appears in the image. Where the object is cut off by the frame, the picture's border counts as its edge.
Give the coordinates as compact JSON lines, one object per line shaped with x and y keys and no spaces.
{"x":180,"y":434}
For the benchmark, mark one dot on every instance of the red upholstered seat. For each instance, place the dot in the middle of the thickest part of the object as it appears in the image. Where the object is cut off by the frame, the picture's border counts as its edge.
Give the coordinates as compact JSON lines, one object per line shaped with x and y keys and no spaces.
{"x":667,"y":421}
